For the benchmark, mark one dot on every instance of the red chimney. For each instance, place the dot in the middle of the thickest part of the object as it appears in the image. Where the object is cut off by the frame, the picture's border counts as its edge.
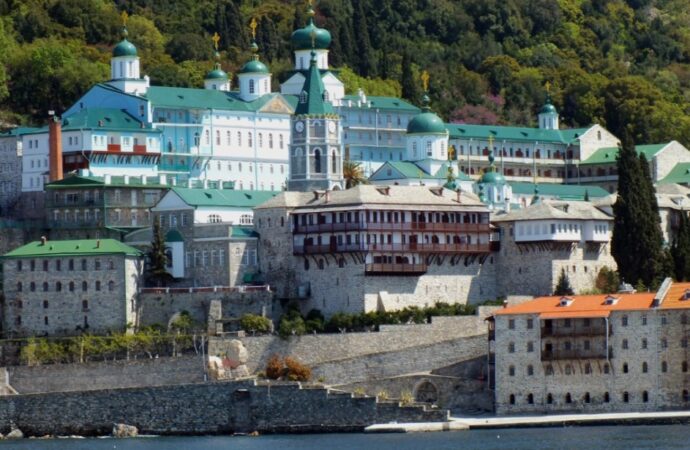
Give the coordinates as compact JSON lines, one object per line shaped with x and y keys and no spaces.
{"x":55,"y":149}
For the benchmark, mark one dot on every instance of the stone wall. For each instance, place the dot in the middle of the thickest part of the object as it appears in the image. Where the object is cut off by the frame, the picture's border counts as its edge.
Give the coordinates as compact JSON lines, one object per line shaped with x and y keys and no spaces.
{"x":206,"y":408}
{"x":106,"y":375}
{"x":159,"y":306}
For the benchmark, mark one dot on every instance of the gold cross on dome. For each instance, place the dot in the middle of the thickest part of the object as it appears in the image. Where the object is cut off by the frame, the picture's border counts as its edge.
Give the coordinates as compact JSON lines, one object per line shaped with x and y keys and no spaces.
{"x":311,"y":2}
{"x":491,"y":141}
{"x":313,"y":39}
{"x":425,"y":80}
{"x":252,"y":25}
{"x":125,"y":17}
{"x":215,"y":38}
{"x":547,"y":85}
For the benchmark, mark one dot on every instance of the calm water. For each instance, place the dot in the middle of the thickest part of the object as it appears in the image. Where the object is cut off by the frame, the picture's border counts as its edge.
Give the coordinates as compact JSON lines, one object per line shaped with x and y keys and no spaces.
{"x":588,"y":438}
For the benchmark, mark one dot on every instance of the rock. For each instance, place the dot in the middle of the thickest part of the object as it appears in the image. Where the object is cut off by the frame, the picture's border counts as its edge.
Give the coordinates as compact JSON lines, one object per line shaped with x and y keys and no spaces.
{"x":253,"y":433}
{"x":15,"y":434}
{"x":240,"y":372}
{"x":121,"y":430}
{"x":237,"y":352}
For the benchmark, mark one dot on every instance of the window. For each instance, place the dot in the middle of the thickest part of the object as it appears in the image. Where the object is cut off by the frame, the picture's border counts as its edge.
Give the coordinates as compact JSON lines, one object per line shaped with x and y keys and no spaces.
{"x":686,"y":395}
{"x":530,"y":370}
{"x":587,"y":398}
{"x":625,"y":367}
{"x":549,"y":399}
{"x":84,"y":305}
{"x":644,"y":367}
{"x":111,"y":286}
{"x":32,"y":286}
{"x":70,"y":264}
{"x":588,"y":368}
{"x":664,"y":343}
{"x":251,"y":86}
{"x":84,"y":286}
{"x":98,"y":285}
{"x":83,"y":264}
{"x":664,"y":366}
{"x":568,"y":398}
{"x":511,"y":347}
{"x":530,"y":346}
{"x":511,"y":371}
{"x":626,"y":397}
{"x":19,"y":286}
{"x":530,"y":399}
{"x":624,"y":321}
{"x":45,"y":286}
{"x":644,"y":343}
{"x":644,"y":319}
{"x":97,"y":264}
{"x":624,"y":344}
{"x":530,"y":324}
{"x":645,"y":396}
{"x":71,"y":286}
{"x":511,"y":324}
{"x":512,"y":399}
{"x":45,"y":265}
{"x":45,"y":304}
{"x":607,"y":397}
{"x":58,"y":287}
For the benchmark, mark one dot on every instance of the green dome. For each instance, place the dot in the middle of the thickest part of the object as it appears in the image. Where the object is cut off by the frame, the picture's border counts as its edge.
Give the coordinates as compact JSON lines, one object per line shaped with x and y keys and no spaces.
{"x":492,"y":177}
{"x":301,"y":39}
{"x":426,"y":123}
{"x":125,"y":48}
{"x":548,"y":108}
{"x":217,"y":74}
{"x":254,"y":66}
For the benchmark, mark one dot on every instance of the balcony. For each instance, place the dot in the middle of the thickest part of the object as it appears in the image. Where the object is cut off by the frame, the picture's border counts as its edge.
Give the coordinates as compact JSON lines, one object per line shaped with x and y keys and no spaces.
{"x":140,"y":149}
{"x":113,"y":147}
{"x":391,"y":248}
{"x":557,"y":355}
{"x":573,"y":331}
{"x":395,"y":269}
{"x":388,"y":226}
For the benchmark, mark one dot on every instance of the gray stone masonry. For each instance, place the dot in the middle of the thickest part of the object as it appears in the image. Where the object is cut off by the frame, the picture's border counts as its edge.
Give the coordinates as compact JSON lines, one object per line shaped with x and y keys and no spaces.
{"x":208,"y":408}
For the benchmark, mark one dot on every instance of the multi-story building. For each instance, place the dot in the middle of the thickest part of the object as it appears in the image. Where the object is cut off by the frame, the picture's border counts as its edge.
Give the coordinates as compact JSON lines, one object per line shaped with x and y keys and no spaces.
{"x":540,"y":241}
{"x":376,"y":247}
{"x":88,"y":207}
{"x":11,"y":152}
{"x":70,"y":287}
{"x":594,"y":353}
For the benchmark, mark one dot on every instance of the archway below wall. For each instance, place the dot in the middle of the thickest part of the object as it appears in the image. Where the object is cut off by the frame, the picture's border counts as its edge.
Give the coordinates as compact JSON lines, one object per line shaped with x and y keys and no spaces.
{"x":426,"y":392}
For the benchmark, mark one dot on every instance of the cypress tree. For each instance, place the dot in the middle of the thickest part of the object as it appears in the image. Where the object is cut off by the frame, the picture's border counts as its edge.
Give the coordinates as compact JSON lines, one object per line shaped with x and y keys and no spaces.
{"x":267,"y":39}
{"x":637,"y":240}
{"x":366,"y":64}
{"x":157,"y":271}
{"x":563,"y":286}
{"x":410,"y":90}
{"x":680,"y":249}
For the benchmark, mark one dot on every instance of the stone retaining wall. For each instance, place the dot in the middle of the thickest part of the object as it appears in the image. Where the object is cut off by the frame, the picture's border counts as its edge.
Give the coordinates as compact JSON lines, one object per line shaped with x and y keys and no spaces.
{"x":208,"y":408}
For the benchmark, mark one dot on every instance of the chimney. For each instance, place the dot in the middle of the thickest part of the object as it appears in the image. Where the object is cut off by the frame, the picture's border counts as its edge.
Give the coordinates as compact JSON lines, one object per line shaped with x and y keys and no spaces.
{"x":505,"y":303}
{"x":327,"y":196}
{"x":98,"y":243}
{"x":143,"y":179}
{"x":161,"y":179}
{"x":55,"y":149}
{"x":459,"y":192}
{"x":108,"y":178}
{"x":126,"y":178}
{"x":44,"y":240}
{"x":205,"y":183}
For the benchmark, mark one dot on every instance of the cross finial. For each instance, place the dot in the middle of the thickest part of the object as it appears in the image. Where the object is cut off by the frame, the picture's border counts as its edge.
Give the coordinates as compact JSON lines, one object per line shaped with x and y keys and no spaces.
{"x":313,"y":39}
{"x":215,"y":38}
{"x":125,"y":17}
{"x":252,"y":25}
{"x":425,"y":80}
{"x":491,"y":141}
{"x":547,"y":85}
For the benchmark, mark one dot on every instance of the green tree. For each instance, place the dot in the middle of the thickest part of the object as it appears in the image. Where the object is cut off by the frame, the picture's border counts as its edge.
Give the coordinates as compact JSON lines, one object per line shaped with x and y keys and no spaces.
{"x":353,"y":174}
{"x":255,"y":324}
{"x":563,"y":286}
{"x":158,"y":259}
{"x":366,"y":62}
{"x":410,"y":86}
{"x":680,"y":249}
{"x":637,"y":240}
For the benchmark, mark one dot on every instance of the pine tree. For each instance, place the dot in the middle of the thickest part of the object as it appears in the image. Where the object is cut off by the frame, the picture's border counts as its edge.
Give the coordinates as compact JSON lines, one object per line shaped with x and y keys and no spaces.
{"x":267,"y":39}
{"x":637,"y":240}
{"x":157,"y":272}
{"x":366,"y":64}
{"x":680,"y":249}
{"x":563,"y":286}
{"x":410,"y":89}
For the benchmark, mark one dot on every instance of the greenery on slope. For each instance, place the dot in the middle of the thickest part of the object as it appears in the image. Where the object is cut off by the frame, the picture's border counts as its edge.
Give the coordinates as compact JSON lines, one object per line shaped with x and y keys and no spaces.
{"x":616,"y":62}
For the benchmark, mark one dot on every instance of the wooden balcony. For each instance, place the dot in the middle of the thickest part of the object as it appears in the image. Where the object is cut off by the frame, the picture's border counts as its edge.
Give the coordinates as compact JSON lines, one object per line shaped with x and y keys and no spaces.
{"x":391,"y":248}
{"x":388,"y":226}
{"x":140,"y":149}
{"x":114,"y":148}
{"x":575,"y":330}
{"x":395,"y":269}
{"x":558,"y":355}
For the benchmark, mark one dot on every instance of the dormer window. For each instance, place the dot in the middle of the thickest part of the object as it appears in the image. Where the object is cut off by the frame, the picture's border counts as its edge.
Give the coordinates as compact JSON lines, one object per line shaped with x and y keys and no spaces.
{"x":686,"y":294}
{"x":303,"y":97}
{"x":565,"y":301}
{"x":611,"y":300}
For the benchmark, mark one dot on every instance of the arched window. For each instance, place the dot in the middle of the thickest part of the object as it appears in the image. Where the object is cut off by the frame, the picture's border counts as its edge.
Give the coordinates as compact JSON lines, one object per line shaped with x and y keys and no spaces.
{"x":568,"y":398}
{"x":588,"y":368}
{"x":511,"y":399}
{"x":549,"y":370}
{"x":71,"y":286}
{"x":686,"y":395}
{"x":217,"y":137}
{"x":19,"y":286}
{"x":334,"y":162}
{"x":645,"y":396}
{"x":84,"y":286}
{"x":587,"y":397}
{"x":111,"y":286}
{"x":270,"y":145}
{"x":303,"y":97}
{"x":317,"y":161}
{"x":58,"y":287}
{"x":644,"y":367}
{"x":626,"y":397}
{"x":251,"y":86}
{"x":207,"y":137}
{"x":249,"y":139}
{"x":45,"y":286}
{"x":664,"y":366}
{"x":530,"y":399}
{"x":607,"y":397}
{"x":549,"y":399}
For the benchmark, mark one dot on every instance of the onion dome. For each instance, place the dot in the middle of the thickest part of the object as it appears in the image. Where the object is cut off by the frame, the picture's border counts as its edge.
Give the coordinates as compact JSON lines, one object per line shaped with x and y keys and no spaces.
{"x":492,"y":176}
{"x":254,"y":65}
{"x":302,"y":39}
{"x":217,"y":73}
{"x":426,"y":122}
{"x":548,"y":107}
{"x":124,"y":48}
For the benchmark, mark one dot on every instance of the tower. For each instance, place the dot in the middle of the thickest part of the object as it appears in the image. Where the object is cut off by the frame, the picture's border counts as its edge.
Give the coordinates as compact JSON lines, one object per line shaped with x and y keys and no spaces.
{"x":254,"y":78}
{"x":124,"y":66}
{"x":492,"y":187}
{"x":316,"y":159}
{"x":426,"y":140}
{"x":217,"y":79}
{"x":302,"y":42}
{"x":548,"y":115}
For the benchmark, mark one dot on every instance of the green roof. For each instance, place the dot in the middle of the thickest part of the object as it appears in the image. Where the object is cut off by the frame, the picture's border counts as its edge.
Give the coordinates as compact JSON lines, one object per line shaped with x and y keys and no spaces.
{"x":83,"y":247}
{"x":411,"y":170}
{"x":679,"y":174}
{"x":223,"y":197}
{"x":243,"y":232}
{"x":254,"y":66}
{"x":302,"y":39}
{"x":192,"y":98}
{"x":80,"y":181}
{"x":426,"y":123}
{"x":562,"y":191}
{"x":548,"y":108}
{"x":173,"y":235}
{"x":311,"y":101}
{"x":125,"y":48}
{"x":499,"y":133}
{"x":216,"y":74}
{"x":18,"y":131}
{"x":377,"y":102}
{"x":106,"y":119}
{"x":607,"y":155}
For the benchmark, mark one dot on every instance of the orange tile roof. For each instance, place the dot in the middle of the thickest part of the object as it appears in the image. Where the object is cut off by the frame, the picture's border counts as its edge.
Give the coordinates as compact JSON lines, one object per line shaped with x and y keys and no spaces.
{"x":674,"y":297}
{"x":582,"y":305}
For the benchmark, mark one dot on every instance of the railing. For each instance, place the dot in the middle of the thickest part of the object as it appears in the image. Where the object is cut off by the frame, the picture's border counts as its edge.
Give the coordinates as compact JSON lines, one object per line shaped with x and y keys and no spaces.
{"x":190,"y":290}
{"x":387,"y":226}
{"x":139,"y":148}
{"x":561,"y":331}
{"x":113,"y":147}
{"x":555,"y":355}
{"x":395,"y":269}
{"x":414,"y":248}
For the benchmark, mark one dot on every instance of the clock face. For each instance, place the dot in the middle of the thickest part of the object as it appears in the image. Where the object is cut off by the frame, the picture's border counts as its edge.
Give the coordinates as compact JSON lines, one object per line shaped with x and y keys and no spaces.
{"x":299,"y":127}
{"x":331,"y":127}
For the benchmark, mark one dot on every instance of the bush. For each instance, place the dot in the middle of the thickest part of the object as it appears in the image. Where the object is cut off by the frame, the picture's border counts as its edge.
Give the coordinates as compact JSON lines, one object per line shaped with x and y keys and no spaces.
{"x":296,"y":371}
{"x":339,"y":321}
{"x":275,"y":368}
{"x":294,"y":326}
{"x":253,"y":323}
{"x":315,"y":322}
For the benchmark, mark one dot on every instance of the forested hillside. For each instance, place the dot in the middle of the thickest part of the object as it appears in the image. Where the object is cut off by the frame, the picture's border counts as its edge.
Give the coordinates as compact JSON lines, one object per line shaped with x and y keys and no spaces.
{"x":617,"y":62}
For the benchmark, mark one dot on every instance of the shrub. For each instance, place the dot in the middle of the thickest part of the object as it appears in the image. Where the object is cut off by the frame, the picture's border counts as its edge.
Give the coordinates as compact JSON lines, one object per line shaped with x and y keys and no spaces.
{"x":315,"y":322}
{"x":253,"y":323}
{"x":359,"y":392}
{"x":294,"y":326}
{"x":339,"y":321}
{"x":275,"y":368}
{"x":296,"y":371}
{"x":406,"y":398}
{"x":382,"y":395}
